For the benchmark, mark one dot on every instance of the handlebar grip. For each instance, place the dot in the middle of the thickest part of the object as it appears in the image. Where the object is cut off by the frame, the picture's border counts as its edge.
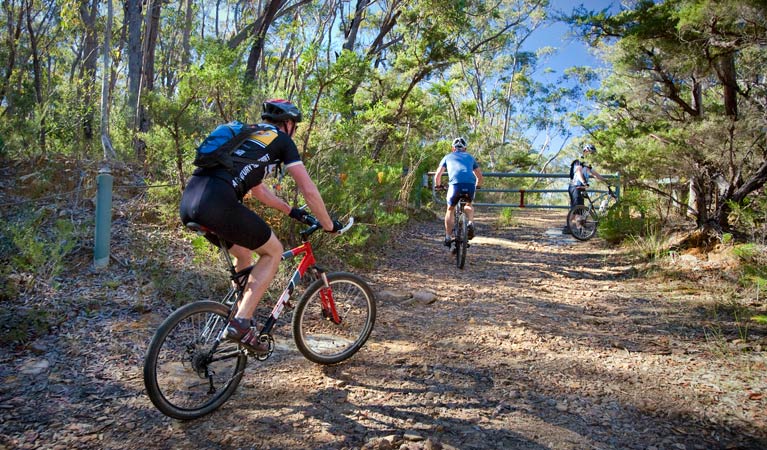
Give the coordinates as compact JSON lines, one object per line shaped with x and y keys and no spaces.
{"x":347,"y":226}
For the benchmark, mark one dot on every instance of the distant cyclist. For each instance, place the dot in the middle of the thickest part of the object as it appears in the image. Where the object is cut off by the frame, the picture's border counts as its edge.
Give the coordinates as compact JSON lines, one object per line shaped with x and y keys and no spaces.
{"x":464,"y":177}
{"x":580,"y":173}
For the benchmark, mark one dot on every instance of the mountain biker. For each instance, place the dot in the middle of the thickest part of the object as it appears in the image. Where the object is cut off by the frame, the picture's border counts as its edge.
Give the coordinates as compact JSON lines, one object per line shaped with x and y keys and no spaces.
{"x":464,"y":177}
{"x":213,"y":199}
{"x":580,"y":173}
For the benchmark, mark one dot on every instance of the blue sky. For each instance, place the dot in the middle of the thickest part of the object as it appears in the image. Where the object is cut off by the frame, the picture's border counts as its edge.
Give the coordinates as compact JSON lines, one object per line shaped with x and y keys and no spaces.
{"x":570,"y":50}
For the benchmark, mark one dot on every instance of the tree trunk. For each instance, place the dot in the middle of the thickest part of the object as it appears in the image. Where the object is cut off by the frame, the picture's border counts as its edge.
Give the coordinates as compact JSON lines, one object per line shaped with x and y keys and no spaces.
{"x":187,"y":32}
{"x":151,"y":33}
{"x":727,"y":75}
{"x":133,"y":20}
{"x":259,"y":35}
{"x":351,"y":33}
{"x":106,"y":141}
{"x":88,"y":14}
{"x":36,"y":72}
{"x":11,"y":42}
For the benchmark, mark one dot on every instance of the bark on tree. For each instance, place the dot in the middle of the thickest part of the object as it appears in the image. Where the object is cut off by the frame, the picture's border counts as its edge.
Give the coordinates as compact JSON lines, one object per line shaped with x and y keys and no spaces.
{"x":350,"y":33}
{"x":727,"y":76}
{"x":259,"y":37}
{"x":88,"y":14}
{"x":36,"y":72}
{"x":133,"y":18}
{"x":11,"y":43}
{"x":186,"y":35}
{"x":151,"y":33}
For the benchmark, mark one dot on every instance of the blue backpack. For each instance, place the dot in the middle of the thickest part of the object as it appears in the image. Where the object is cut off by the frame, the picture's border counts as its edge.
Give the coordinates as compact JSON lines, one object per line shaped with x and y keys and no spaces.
{"x":216,"y":150}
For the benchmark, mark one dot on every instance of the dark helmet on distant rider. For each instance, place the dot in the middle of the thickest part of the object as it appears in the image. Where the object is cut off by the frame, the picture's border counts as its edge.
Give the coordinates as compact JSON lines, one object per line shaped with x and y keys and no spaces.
{"x":589,"y":148}
{"x":279,"y":110}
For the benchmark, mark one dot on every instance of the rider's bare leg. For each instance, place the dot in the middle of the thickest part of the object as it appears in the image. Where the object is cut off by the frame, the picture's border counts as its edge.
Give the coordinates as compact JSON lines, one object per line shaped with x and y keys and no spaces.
{"x":449,"y":220}
{"x":469,"y":211}
{"x":269,"y":257}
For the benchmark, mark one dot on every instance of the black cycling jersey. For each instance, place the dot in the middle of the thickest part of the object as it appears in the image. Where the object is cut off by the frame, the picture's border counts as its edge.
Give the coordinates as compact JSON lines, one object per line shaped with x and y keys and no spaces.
{"x":260,"y":154}
{"x":213,"y":196}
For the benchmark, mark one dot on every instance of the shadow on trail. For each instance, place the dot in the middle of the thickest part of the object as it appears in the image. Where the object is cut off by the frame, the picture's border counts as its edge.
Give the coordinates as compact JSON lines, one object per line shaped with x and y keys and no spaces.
{"x":585,"y":307}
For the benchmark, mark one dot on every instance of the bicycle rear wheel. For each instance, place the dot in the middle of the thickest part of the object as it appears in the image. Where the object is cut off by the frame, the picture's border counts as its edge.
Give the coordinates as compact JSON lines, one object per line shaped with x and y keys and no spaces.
{"x":327,"y":338}
{"x":461,"y":241}
{"x":188,"y":371}
{"x":583,"y":222}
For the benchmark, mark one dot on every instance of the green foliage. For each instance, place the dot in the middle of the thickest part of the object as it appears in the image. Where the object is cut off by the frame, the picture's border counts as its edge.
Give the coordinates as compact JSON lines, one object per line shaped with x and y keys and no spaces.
{"x":505,"y":217}
{"x":165,"y":201}
{"x":658,"y":120}
{"x":203,"y":250}
{"x":628,"y":218}
{"x":652,"y":246}
{"x":750,"y":218}
{"x":22,"y":325}
{"x":753,"y":258}
{"x":40,"y":243}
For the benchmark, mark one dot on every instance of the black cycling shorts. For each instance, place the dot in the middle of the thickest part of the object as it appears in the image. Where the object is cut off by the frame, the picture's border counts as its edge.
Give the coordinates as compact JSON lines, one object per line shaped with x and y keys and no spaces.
{"x":211,"y":202}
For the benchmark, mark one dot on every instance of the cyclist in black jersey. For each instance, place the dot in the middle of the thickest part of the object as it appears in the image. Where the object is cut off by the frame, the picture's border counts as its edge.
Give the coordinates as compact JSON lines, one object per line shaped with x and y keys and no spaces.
{"x":213,"y":199}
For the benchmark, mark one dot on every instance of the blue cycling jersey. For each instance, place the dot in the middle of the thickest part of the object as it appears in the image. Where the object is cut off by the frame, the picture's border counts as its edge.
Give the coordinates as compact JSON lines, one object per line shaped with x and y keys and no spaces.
{"x":460,"y":167}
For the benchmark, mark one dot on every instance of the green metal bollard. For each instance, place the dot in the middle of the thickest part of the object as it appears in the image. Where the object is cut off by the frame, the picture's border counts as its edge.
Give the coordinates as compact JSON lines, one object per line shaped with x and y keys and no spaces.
{"x":103,"y":218}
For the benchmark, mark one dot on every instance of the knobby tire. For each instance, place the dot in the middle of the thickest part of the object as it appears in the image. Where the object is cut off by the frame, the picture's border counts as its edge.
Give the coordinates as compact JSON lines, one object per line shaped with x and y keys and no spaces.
{"x":321,"y":340}
{"x":461,"y":241}
{"x":583,"y":222}
{"x":183,"y":377}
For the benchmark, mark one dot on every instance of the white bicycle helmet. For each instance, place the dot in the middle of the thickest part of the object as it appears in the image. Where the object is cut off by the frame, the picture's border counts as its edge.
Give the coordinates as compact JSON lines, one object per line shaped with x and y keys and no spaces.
{"x":459,"y":143}
{"x":589,"y":148}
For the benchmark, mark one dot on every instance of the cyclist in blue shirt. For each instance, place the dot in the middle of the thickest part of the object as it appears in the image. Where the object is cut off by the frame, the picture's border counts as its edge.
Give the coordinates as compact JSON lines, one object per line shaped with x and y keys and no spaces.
{"x":464,"y":177}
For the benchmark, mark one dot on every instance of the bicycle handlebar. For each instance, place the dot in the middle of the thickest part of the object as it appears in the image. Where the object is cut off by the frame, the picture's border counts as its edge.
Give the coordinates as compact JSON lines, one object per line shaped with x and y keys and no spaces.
{"x":315,"y":225}
{"x":609,"y":189}
{"x":442,"y":188}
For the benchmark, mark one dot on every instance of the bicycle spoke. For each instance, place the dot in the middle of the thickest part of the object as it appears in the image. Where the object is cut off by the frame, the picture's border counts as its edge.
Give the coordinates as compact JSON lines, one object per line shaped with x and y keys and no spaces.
{"x":318,"y":336}
{"x":187,"y":371}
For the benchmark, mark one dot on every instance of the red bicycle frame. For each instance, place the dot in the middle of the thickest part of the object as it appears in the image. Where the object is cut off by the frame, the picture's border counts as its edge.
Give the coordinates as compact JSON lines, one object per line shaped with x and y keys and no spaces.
{"x":306,"y":264}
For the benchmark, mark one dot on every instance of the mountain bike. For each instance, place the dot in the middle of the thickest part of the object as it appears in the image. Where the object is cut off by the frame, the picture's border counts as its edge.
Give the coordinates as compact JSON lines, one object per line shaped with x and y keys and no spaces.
{"x":583,"y":220}
{"x":460,"y":232}
{"x":460,"y":243}
{"x":190,"y":370}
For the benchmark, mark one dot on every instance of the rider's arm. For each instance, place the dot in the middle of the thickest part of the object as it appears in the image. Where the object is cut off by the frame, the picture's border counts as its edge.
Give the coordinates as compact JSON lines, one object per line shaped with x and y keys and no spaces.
{"x":311,"y":195}
{"x":265,"y":195}
{"x":438,"y":176}
{"x":579,"y":175}
{"x":478,"y":174}
{"x":599,"y":177}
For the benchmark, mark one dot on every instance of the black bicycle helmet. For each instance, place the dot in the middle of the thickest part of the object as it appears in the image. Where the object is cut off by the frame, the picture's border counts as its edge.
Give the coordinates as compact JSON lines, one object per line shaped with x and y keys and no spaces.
{"x":279,"y":110}
{"x":459,"y":143}
{"x":589,"y":148}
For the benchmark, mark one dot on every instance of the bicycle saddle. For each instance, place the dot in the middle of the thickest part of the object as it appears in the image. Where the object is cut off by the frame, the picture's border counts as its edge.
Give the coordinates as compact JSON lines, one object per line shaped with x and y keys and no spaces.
{"x":197,"y":228}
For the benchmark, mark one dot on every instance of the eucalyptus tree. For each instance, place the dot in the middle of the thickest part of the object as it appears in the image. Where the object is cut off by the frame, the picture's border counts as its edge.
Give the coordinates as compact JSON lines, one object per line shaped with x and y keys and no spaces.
{"x":687,"y":99}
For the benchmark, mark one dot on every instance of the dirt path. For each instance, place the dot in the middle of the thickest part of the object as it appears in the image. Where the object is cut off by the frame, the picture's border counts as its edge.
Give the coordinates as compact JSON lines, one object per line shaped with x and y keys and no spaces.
{"x":541,"y":342}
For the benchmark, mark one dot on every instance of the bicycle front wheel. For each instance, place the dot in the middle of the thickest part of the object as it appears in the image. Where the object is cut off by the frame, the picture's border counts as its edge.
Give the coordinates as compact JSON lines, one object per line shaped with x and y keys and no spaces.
{"x":583,"y":222}
{"x":330,"y":324}
{"x":188,"y":370}
{"x":461,"y":241}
